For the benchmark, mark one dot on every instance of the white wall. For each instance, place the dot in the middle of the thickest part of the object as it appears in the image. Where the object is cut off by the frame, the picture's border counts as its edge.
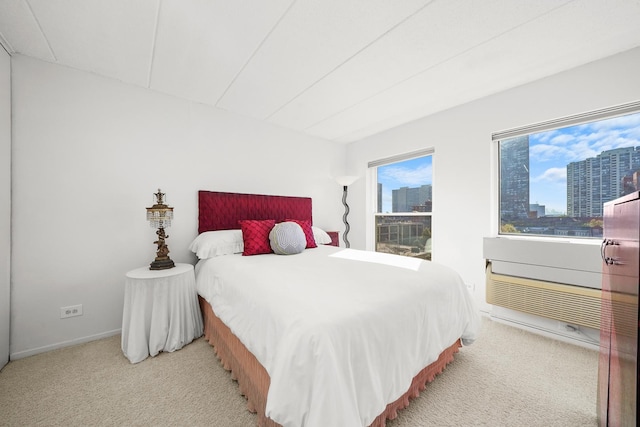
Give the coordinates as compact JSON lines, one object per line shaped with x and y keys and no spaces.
{"x":5,"y":203}
{"x":89,"y":153}
{"x":465,"y":184}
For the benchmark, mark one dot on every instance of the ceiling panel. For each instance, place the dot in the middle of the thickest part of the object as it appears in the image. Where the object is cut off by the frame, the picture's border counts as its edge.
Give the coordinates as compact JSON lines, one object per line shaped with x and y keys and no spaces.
{"x":20,"y":30}
{"x":312,"y":39}
{"x":436,"y":34}
{"x":544,"y":46}
{"x":113,"y":38}
{"x":202,"y":44}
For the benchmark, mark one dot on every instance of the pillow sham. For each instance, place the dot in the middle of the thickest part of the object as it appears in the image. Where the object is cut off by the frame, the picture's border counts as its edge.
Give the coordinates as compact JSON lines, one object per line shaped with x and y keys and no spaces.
{"x":287,"y":238}
{"x":308,"y":232}
{"x":217,"y":243}
{"x":255,"y":236}
{"x":320,"y":236}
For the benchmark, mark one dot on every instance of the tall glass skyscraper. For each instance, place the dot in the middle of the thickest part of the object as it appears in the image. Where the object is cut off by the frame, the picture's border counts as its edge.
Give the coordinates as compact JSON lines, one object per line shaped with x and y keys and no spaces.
{"x":514,"y":178}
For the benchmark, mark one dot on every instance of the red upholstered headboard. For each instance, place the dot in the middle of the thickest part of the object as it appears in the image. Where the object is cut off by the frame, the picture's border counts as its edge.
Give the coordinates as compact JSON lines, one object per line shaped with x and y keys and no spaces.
{"x":222,"y":211}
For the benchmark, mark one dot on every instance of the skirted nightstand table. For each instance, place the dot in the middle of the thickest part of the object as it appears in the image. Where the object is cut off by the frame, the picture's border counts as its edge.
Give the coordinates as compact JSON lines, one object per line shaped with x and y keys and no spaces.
{"x":161,"y":311}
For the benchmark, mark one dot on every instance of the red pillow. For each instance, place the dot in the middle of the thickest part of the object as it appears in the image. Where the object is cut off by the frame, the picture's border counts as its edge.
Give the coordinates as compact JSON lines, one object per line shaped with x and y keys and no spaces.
{"x":255,"y":235}
{"x":308,"y":231}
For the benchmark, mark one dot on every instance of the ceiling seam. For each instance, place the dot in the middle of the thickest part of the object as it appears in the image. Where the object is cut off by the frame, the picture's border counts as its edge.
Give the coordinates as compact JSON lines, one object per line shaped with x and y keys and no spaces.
{"x":427,"y":69}
{"x":46,"y":40}
{"x":350,"y":58}
{"x":6,"y":45}
{"x":286,"y":12}
{"x":153,"y":44}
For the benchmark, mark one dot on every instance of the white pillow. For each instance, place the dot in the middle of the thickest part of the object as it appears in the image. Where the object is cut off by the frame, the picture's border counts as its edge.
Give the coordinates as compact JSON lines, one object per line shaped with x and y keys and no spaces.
{"x":216,"y":243}
{"x":321,"y":237}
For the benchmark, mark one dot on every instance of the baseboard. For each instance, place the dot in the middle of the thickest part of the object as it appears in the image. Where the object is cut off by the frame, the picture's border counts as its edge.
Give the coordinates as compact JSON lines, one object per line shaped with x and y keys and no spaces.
{"x":44,"y":349}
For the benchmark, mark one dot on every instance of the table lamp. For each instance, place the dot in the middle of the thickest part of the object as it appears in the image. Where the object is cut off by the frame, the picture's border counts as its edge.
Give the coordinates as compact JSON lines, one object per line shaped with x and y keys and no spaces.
{"x":160,"y":216}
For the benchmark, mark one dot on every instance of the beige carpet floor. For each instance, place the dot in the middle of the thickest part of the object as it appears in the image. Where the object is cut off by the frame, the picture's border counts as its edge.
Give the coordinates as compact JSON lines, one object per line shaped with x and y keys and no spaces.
{"x":509,"y":377}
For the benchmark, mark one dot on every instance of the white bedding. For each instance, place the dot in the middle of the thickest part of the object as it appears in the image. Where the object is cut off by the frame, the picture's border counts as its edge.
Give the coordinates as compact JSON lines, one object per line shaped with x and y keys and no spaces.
{"x":339,"y":334}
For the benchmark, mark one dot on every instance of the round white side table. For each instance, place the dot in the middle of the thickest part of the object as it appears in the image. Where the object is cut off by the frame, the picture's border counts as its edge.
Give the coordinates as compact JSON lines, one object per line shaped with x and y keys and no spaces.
{"x":161,"y":311}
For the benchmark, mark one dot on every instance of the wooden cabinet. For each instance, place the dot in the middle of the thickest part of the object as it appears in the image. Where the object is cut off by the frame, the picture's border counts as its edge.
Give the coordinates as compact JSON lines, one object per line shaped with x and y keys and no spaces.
{"x":618,"y":362}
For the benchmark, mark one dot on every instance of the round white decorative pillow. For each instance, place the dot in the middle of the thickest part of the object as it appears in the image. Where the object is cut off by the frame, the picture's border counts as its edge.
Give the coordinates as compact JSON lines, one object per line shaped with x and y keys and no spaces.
{"x":287,"y":238}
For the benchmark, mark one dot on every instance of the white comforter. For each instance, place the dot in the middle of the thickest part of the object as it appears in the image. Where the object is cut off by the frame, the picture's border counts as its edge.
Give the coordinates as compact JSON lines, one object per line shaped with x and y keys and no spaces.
{"x":341,"y":332}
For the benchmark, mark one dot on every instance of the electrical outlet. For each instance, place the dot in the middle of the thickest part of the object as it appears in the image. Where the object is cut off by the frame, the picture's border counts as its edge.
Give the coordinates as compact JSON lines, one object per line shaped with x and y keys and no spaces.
{"x":71,"y":311}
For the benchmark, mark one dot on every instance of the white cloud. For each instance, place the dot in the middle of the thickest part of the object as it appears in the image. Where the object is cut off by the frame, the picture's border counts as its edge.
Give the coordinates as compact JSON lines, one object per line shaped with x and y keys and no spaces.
{"x":552,"y":175}
{"x":562,"y":139}
{"x":545,"y":137}
{"x":407,"y":176}
{"x":546,"y":152}
{"x":562,"y":146}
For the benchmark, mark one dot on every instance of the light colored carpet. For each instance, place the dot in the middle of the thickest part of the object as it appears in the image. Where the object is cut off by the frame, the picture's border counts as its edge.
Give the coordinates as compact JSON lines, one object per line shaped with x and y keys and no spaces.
{"x":509,"y":377}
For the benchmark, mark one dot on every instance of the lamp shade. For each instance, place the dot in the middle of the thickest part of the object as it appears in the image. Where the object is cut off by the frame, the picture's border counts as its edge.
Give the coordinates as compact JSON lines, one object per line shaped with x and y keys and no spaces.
{"x":346,"y":180}
{"x":159,"y":215}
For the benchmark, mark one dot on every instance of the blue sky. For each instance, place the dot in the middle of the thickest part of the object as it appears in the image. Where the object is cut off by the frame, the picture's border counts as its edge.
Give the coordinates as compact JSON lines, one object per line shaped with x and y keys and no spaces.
{"x":550,"y":152}
{"x":409,"y":173}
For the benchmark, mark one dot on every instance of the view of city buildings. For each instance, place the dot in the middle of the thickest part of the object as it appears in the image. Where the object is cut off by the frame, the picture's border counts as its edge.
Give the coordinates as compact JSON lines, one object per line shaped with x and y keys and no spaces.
{"x":595,"y":181}
{"x":407,"y":199}
{"x":401,"y":234}
{"x":590,"y":183}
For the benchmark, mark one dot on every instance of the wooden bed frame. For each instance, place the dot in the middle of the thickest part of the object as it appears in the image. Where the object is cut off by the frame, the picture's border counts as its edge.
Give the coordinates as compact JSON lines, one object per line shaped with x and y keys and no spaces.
{"x":221,"y":211}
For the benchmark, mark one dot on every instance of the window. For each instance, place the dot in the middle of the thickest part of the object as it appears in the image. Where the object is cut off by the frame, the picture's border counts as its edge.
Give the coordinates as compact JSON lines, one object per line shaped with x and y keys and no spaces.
{"x":555,"y":177}
{"x":403,"y":204}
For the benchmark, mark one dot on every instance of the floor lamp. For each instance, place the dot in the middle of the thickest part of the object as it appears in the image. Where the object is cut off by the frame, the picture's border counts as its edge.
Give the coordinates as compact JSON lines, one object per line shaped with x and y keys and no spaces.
{"x":345,"y":181}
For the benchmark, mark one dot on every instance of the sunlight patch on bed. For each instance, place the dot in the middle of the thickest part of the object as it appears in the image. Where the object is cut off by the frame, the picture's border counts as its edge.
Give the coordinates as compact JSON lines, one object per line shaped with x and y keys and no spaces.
{"x":380,"y":258}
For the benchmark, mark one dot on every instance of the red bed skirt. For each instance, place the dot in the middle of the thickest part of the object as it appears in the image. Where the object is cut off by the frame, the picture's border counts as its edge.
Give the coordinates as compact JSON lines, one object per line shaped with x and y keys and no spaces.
{"x":253,"y":380}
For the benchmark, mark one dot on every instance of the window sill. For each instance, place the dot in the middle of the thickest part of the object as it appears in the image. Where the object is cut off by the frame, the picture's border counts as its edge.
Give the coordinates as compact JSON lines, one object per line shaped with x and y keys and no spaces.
{"x":558,"y":240}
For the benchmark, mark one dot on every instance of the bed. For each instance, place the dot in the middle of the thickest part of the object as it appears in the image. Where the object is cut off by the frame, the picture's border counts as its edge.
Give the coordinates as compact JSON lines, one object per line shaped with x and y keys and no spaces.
{"x":327,"y":336}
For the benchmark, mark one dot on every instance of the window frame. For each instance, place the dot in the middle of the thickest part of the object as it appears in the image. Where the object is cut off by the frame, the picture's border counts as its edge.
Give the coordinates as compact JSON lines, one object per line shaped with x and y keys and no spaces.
{"x":545,"y":126}
{"x":372,"y":193}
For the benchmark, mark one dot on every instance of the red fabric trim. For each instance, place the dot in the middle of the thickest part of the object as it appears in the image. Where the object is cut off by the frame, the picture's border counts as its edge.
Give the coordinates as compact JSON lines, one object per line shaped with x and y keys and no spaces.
{"x":418,"y":384}
{"x":253,"y":379}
